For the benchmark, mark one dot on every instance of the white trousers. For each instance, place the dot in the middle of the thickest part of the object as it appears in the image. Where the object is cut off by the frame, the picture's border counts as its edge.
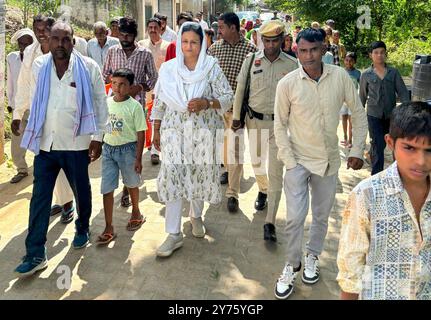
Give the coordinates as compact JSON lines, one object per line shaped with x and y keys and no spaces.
{"x":173,"y":214}
{"x":62,"y":191}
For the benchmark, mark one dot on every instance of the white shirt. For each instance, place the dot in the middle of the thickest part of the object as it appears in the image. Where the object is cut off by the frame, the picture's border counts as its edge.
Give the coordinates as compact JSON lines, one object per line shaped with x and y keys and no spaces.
{"x":13,"y":66}
{"x":57,"y":131}
{"x":169,"y":35}
{"x":204,"y":25}
{"x":98,"y":54}
{"x":81,"y":45}
{"x":23,"y":96}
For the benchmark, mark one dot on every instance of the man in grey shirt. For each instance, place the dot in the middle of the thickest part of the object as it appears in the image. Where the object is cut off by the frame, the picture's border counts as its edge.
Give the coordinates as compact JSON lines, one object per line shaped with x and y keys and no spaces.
{"x":378,"y":88}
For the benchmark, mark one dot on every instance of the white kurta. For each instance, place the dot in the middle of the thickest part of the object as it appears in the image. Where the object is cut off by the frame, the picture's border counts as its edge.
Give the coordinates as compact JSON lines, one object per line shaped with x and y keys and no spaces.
{"x":191,"y":146}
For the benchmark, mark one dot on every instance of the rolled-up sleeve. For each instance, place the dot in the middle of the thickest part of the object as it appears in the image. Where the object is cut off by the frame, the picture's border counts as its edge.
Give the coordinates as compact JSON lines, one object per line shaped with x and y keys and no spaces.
{"x":281,"y":120}
{"x":359,"y":118}
{"x":354,"y":243}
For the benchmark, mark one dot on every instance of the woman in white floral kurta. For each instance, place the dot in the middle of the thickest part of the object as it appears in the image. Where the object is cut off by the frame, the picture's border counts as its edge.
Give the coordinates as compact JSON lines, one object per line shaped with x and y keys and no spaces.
{"x":192,"y":94}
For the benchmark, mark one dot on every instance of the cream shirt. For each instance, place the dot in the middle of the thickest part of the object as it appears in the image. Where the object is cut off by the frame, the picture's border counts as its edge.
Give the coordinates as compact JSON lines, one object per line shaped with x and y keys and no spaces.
{"x":57,"y":131}
{"x":307,"y":117}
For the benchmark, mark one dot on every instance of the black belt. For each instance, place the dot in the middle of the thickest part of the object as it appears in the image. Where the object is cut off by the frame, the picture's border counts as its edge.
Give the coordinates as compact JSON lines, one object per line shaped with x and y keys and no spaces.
{"x":261,"y":116}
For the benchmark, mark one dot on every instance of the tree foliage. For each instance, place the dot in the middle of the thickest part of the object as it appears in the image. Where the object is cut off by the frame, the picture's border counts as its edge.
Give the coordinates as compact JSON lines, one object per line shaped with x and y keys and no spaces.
{"x":395,"y":20}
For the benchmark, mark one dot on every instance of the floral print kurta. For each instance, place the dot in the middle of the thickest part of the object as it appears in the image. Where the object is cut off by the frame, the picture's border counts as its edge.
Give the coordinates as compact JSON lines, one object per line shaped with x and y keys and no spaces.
{"x":190,"y":146}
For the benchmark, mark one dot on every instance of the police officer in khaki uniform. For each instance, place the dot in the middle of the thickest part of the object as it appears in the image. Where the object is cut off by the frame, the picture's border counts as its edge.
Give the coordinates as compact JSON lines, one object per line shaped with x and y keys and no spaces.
{"x":268,"y":66}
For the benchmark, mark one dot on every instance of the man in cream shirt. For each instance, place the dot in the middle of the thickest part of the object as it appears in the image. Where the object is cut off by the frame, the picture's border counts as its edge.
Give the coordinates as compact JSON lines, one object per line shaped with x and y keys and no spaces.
{"x":59,"y":133}
{"x":307,"y":105}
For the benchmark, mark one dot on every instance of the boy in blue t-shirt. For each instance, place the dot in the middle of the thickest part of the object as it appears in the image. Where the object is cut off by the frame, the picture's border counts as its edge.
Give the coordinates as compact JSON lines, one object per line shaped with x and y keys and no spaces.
{"x":122,"y":151}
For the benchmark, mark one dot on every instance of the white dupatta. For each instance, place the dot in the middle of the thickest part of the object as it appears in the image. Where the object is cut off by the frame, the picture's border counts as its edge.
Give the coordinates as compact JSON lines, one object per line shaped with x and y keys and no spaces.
{"x":176,"y":84}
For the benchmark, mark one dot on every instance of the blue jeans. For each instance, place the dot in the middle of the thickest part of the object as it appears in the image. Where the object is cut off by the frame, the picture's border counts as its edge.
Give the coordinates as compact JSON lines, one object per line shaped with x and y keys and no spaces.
{"x":377,"y":128}
{"x":47,"y":165}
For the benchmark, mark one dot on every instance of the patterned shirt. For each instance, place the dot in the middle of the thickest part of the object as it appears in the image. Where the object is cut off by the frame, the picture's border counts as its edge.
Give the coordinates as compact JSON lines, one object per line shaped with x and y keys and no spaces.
{"x":382,"y":254}
{"x":141,"y":62}
{"x":231,"y":58}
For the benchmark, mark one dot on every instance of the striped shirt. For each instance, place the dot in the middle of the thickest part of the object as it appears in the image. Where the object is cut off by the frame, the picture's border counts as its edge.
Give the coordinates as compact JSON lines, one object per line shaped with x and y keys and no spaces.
{"x":141,"y":62}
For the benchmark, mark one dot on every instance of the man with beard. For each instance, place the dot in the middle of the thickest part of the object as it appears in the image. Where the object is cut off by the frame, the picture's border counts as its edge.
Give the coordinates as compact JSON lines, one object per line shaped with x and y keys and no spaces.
{"x":67,"y":119}
{"x":41,"y":28}
{"x":138,"y":59}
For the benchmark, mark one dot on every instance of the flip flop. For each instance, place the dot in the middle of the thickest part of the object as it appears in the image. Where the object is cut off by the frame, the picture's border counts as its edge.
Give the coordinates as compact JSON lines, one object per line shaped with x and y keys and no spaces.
{"x":125,"y":201}
{"x":135,"y":224}
{"x":67,"y":216}
{"x":106,"y":237}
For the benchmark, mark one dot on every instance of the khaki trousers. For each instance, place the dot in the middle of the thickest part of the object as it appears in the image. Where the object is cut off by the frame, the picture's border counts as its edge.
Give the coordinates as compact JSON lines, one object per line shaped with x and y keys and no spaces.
{"x":267,"y":168}
{"x":18,"y":153}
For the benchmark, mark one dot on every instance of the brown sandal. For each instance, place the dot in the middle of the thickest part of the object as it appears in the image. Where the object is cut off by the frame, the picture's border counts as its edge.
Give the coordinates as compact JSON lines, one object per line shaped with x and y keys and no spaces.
{"x":135,"y":224}
{"x":106,"y":237}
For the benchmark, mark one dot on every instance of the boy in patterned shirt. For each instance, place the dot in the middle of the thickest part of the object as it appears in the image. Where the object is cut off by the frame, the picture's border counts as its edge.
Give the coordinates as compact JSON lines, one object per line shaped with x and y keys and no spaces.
{"x":122,"y":151}
{"x":385,"y":242}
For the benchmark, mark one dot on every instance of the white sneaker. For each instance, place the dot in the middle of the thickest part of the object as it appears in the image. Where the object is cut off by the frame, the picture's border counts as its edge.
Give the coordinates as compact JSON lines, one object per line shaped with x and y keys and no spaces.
{"x":171,"y":244}
{"x":310,"y":275}
{"x":284,"y":285}
{"x":198,"y":228}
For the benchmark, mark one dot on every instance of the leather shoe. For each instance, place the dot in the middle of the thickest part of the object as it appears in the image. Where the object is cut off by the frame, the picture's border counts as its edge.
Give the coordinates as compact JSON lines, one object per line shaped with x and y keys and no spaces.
{"x":261,"y":201}
{"x":224,"y":178}
{"x":232,"y":204}
{"x":269,"y":232}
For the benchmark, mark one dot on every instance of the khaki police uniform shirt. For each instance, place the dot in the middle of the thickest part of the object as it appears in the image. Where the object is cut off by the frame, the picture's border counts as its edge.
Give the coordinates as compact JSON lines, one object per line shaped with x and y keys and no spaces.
{"x":264,"y":76}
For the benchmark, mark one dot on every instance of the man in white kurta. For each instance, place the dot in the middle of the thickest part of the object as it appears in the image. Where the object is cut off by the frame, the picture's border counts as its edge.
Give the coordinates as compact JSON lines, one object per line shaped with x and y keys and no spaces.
{"x":64,"y":133}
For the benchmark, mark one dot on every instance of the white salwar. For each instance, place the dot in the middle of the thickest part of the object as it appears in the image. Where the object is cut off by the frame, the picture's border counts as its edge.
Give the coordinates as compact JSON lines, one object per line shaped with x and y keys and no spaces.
{"x":189,"y":141}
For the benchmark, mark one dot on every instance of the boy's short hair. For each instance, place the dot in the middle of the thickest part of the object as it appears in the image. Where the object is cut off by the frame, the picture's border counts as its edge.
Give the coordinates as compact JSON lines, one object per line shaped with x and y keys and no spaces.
{"x":352,"y":55}
{"x":375,"y":45}
{"x":410,"y":120}
{"x":311,"y":35}
{"x":124,"y":73}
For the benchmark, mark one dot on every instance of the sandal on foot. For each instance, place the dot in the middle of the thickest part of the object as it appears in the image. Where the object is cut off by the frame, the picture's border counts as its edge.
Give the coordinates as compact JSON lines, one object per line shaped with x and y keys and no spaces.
{"x":125,"y":201}
{"x":67,"y":216}
{"x":135,"y":224}
{"x":18,"y":177}
{"x":106,"y":237}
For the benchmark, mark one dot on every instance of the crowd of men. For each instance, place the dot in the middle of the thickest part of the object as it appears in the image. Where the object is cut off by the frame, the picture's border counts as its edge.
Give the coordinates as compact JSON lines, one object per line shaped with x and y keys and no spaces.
{"x":289,"y":90}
